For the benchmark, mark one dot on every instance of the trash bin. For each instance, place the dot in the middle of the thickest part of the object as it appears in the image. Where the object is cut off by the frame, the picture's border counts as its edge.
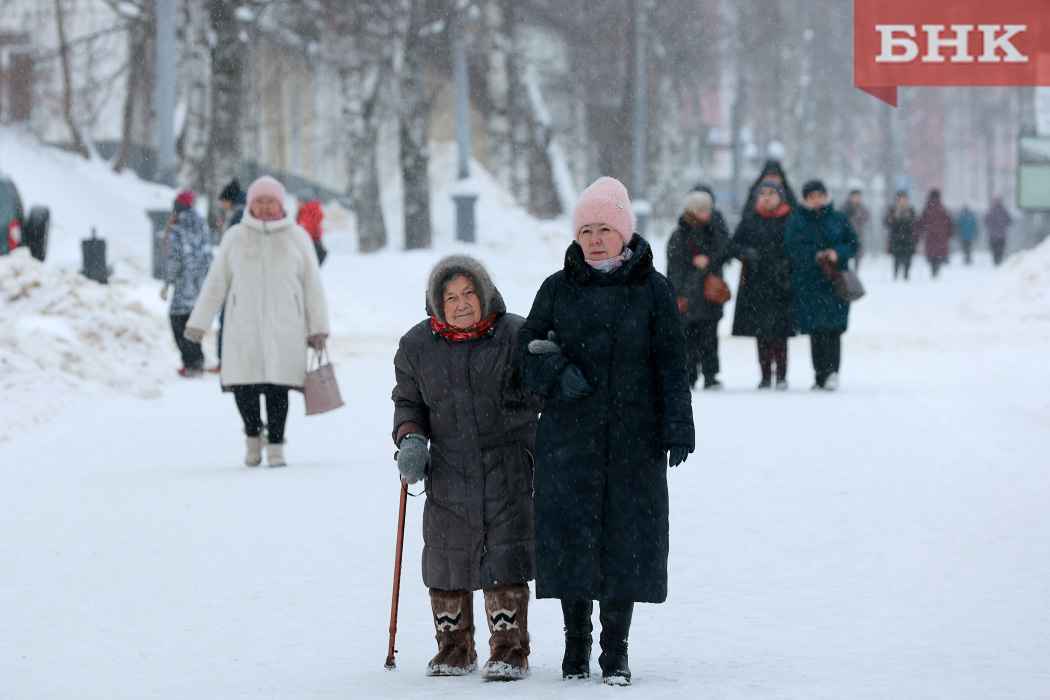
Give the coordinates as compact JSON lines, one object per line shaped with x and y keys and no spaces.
{"x":94,"y":252}
{"x":158,"y":221}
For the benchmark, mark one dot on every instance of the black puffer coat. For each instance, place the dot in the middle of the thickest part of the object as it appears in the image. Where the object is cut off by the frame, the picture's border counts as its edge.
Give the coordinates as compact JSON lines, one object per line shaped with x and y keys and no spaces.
{"x":601,"y":470}
{"x":469,"y":399}
{"x":764,"y":304}
{"x":710,"y":239}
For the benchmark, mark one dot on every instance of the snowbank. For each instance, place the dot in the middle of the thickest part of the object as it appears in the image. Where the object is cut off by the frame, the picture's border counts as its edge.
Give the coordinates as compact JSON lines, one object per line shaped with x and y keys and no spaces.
{"x":62,"y":335}
{"x":1020,"y":287}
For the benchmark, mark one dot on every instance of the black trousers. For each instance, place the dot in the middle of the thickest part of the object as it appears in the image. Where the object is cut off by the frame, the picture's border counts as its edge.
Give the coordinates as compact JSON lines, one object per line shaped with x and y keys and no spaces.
{"x":997,"y":246}
{"x":826,"y":348}
{"x":901,"y":264}
{"x":967,"y":251}
{"x":773,"y":351}
{"x":247,"y":398}
{"x":192,"y":355}
{"x":701,"y":341}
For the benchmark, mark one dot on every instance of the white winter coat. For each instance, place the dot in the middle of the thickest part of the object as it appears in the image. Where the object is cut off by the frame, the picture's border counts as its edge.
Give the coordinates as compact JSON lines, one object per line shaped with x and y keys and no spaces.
{"x":267,"y":274}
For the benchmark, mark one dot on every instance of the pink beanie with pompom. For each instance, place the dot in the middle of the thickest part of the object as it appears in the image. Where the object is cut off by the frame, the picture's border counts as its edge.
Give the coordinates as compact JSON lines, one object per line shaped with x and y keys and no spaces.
{"x":605,"y":202}
{"x":264,"y":186}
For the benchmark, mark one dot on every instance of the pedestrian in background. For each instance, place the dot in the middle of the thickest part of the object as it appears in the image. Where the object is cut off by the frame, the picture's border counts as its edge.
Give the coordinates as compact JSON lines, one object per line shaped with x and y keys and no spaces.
{"x":935,"y":225}
{"x":765,"y":308}
{"x":187,"y":247}
{"x":771,"y":170}
{"x":900,"y":233}
{"x":459,"y":388}
{"x":966,"y":228}
{"x":232,"y":201}
{"x":858,"y":215}
{"x":997,"y":223}
{"x":266,"y":273}
{"x":820,"y":240}
{"x":311,"y":218}
{"x":617,"y":412}
{"x":697,"y":248}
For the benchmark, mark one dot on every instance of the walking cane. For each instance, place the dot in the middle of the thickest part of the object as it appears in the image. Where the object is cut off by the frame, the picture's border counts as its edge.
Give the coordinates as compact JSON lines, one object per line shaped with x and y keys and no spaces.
{"x":397,"y":575}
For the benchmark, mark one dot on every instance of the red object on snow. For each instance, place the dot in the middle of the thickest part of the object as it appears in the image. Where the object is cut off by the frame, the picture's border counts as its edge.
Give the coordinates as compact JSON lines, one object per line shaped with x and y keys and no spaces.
{"x":310,"y":217}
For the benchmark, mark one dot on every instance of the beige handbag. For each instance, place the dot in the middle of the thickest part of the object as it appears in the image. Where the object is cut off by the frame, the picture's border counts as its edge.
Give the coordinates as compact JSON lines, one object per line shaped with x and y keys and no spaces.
{"x":319,"y":387}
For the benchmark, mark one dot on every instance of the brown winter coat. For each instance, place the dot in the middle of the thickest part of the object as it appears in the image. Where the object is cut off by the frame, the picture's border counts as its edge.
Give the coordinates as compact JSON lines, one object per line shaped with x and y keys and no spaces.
{"x":469,"y":399}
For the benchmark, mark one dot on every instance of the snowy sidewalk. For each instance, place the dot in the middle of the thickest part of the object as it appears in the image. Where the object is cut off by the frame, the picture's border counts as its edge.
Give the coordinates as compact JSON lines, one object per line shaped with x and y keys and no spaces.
{"x":886,"y":541}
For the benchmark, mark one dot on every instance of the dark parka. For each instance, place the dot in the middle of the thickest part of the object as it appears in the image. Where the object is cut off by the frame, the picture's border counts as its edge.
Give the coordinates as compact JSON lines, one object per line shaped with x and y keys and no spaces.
{"x":816,"y":306}
{"x":936,"y":226}
{"x":469,"y":399}
{"x":601,"y":469}
{"x":765,"y":307}
{"x":900,"y":232}
{"x":710,"y":239}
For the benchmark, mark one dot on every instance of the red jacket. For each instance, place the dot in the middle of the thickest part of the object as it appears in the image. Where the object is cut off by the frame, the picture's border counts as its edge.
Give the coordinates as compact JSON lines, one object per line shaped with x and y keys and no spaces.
{"x":310,"y":217}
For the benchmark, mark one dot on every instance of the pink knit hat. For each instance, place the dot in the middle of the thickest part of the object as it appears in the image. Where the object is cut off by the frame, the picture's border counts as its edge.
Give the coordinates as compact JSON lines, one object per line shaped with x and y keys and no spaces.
{"x":605,"y":202}
{"x":264,"y":186}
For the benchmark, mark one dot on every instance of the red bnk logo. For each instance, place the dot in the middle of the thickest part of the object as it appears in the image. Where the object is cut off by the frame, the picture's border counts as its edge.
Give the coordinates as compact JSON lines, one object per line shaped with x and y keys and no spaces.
{"x":949,"y":42}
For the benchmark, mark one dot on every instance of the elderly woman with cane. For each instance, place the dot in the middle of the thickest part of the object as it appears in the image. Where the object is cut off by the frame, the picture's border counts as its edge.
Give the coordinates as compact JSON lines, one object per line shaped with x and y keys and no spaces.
{"x":618,"y":410}
{"x":465,"y":423}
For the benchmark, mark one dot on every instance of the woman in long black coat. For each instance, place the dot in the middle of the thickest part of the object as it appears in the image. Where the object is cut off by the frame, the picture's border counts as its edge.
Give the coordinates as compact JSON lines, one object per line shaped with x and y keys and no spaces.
{"x":617,"y":410}
{"x":764,"y":306}
{"x":458,"y":386}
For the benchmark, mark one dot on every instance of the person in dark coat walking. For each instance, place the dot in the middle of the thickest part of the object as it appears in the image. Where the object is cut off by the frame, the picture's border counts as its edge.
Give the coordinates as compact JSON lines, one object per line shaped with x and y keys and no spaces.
{"x":858,"y":215}
{"x":900,"y":234}
{"x":459,"y":387}
{"x":935,"y":225}
{"x":966,"y":227}
{"x":771,"y":170}
{"x":819,"y":241}
{"x":764,"y":305}
{"x":187,"y":247}
{"x":997,"y":223}
{"x":618,"y":411}
{"x":696,"y":249}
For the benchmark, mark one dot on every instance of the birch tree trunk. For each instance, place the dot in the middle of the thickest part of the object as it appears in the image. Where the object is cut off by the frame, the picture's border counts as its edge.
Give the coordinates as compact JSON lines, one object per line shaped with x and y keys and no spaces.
{"x":140,"y":43}
{"x":499,"y":26}
{"x":193,"y":82}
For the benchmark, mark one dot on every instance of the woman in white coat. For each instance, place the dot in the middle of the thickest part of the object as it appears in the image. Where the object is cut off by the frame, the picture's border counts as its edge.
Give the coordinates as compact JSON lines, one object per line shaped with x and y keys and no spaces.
{"x":266,"y":273}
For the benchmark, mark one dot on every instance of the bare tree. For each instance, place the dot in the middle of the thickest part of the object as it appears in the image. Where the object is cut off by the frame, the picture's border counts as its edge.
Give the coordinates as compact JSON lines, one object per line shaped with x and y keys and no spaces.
{"x":67,"y":83}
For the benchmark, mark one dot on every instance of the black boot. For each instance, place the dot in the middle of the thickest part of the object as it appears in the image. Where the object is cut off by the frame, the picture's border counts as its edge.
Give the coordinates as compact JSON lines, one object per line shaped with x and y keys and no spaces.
{"x":615,"y":618}
{"x":577,"y":660}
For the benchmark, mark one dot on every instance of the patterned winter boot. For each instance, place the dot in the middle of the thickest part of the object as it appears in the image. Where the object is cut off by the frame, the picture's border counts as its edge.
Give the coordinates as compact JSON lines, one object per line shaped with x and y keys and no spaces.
{"x":454,"y":622}
{"x":577,"y":660}
{"x":615,"y":618}
{"x":507,"y":610}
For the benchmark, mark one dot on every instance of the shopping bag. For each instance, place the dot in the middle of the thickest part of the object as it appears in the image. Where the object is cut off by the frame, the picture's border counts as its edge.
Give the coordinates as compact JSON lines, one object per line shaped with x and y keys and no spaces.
{"x":319,"y":387}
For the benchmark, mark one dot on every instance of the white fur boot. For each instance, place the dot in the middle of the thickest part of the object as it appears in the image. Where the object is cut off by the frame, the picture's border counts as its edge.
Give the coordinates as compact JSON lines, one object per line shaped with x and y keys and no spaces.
{"x":253,"y":457}
{"x":275,"y":454}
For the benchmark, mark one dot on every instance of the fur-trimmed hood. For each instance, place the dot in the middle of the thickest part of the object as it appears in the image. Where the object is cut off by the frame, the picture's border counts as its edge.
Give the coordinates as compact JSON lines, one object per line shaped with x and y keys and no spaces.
{"x":452,"y":265}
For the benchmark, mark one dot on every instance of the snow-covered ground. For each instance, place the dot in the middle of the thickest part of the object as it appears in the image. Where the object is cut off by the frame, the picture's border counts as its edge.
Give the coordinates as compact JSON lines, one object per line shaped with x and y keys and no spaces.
{"x":890,"y":540}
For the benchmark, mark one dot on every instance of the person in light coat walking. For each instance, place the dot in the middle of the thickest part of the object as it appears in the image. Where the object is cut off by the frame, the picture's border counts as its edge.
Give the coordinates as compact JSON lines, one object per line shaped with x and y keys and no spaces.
{"x":267,"y":275}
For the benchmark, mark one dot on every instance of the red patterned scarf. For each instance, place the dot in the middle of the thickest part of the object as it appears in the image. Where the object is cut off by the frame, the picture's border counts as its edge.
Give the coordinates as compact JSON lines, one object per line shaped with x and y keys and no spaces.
{"x":780,"y":211}
{"x":456,"y":333}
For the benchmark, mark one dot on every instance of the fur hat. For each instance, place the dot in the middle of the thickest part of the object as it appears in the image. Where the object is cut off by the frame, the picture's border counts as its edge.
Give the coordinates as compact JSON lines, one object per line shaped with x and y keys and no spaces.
{"x":264,"y":186}
{"x":698,"y":201}
{"x":184,"y":200}
{"x":605,"y":202}
{"x":445,"y":270}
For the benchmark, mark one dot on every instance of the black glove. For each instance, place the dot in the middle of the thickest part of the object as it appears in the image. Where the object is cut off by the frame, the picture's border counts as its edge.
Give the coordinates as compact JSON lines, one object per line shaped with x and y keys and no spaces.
{"x":413,"y":457}
{"x":573,"y":384}
{"x":676,"y":454}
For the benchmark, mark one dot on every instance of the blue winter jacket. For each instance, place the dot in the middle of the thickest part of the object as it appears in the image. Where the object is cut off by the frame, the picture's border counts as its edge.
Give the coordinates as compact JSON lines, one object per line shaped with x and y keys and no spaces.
{"x":816,"y":306}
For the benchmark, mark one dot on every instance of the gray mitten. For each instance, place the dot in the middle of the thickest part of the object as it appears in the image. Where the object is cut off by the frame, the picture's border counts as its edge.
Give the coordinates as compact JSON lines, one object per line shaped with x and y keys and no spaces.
{"x":194,"y":335}
{"x":413,"y":457}
{"x":544,"y":347}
